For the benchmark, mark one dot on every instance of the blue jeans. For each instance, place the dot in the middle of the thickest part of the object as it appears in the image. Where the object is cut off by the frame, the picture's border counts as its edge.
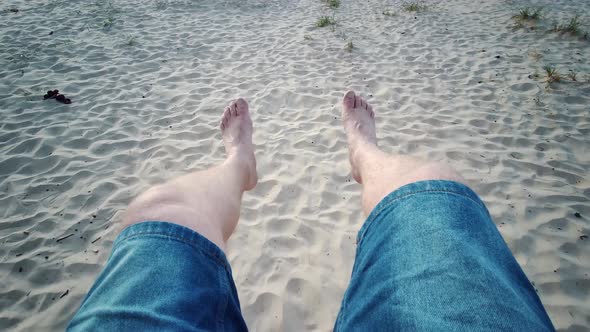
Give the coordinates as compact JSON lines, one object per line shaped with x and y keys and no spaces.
{"x":429,"y":258}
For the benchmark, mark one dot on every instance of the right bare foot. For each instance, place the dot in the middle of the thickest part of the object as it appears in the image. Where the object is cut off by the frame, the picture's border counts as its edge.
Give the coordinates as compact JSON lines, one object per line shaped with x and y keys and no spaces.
{"x":236,"y":130}
{"x":359,"y":124}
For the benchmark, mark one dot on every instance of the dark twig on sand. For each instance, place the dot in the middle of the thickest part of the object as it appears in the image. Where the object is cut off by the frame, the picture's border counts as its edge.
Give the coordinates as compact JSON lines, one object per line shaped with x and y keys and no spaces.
{"x":65,"y":237}
{"x":98,"y":238}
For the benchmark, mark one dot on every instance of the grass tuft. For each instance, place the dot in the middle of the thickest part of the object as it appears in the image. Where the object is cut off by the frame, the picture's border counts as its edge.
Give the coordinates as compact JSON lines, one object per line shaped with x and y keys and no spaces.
{"x":552,"y":74}
{"x":333,"y":3}
{"x":535,"y":55}
{"x":572,"y":75}
{"x":573,"y":25}
{"x":518,"y":24}
{"x":349,"y":46}
{"x":161,"y":4}
{"x":414,"y":7}
{"x":528,"y":13}
{"x":108,"y":22}
{"x":131,"y":40}
{"x":325,"y":21}
{"x":389,"y":13}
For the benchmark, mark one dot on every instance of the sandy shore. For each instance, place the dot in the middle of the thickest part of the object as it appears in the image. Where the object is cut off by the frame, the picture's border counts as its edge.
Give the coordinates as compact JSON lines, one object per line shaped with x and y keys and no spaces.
{"x":148,"y":81}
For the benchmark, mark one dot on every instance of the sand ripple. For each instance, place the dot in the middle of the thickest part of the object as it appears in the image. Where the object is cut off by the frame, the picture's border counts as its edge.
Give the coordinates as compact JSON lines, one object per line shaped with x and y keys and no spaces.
{"x":148,"y":80}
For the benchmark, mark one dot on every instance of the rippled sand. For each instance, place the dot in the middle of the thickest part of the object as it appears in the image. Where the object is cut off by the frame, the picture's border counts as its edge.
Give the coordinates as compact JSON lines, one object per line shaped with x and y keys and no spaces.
{"x":148,"y":80}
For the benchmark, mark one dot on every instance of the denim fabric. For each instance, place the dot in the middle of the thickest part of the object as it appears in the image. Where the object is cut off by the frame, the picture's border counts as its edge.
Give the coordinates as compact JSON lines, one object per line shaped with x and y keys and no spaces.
{"x":162,"y":277}
{"x":429,"y":258}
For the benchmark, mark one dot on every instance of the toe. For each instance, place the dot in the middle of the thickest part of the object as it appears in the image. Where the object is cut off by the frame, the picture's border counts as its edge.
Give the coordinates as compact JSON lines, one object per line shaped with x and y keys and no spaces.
{"x":226,"y":115}
{"x":359,"y":102}
{"x":348,"y":100}
{"x":371,"y":112}
{"x":242,"y":106}
{"x":233,"y":109}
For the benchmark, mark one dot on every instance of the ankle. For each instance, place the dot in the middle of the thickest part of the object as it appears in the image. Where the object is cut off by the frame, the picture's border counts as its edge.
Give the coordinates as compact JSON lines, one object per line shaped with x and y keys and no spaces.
{"x":244,"y":163}
{"x":363,"y":151}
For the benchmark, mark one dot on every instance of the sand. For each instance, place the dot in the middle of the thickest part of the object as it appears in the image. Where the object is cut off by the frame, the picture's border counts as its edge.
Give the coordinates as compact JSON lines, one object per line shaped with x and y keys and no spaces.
{"x":149,"y":79}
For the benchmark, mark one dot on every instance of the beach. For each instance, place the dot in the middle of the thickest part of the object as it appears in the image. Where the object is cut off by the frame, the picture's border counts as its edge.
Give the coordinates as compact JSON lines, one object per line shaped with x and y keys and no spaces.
{"x":457,"y":81}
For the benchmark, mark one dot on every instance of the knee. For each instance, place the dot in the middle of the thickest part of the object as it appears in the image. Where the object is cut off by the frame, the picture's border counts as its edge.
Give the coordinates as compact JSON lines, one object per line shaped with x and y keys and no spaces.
{"x":153,"y":204}
{"x":438,"y":171}
{"x":169,"y":203}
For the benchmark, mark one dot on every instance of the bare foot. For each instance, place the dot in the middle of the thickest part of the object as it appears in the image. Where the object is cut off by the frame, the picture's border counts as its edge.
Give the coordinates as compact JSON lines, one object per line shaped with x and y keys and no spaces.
{"x":359,"y":124}
{"x":236,"y":130}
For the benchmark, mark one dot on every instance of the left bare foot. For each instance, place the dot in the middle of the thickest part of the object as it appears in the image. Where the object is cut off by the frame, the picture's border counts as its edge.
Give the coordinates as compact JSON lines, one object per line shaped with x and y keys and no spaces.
{"x":236,"y":130}
{"x":359,"y":124}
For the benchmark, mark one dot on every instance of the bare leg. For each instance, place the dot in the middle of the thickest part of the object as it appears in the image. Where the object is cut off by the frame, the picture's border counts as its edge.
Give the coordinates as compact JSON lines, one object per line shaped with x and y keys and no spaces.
{"x":207,"y":202}
{"x":423,"y":250}
{"x":378,"y":172}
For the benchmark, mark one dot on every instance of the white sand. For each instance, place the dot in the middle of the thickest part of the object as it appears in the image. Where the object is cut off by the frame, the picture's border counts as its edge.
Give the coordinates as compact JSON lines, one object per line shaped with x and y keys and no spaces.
{"x":148,"y":111}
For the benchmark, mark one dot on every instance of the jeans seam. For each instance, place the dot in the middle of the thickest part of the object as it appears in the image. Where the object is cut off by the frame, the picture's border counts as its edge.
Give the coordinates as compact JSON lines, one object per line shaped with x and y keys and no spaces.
{"x":389,"y":202}
{"x":179,"y":239}
{"x":223,"y":284}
